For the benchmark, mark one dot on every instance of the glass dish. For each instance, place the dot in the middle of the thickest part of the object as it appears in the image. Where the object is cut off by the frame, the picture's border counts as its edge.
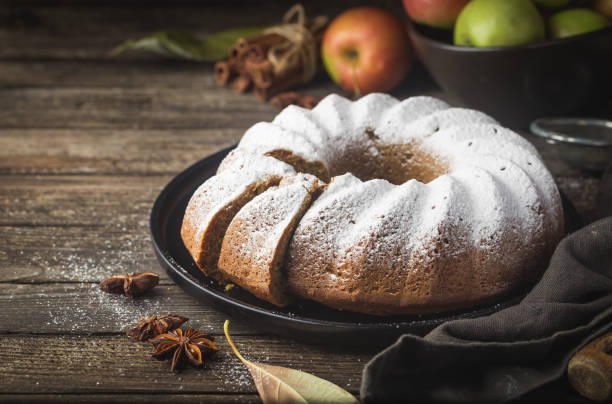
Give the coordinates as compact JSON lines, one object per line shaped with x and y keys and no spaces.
{"x":582,"y":142}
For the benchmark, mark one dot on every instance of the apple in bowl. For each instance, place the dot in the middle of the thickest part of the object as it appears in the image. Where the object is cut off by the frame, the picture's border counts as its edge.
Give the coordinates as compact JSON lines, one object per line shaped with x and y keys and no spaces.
{"x":366,"y":49}
{"x":435,"y":13}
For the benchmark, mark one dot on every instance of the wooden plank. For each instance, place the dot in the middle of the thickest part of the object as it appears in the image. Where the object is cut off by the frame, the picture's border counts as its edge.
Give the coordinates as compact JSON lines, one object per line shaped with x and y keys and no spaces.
{"x":131,"y":398}
{"x":105,"y":364}
{"x":76,"y":228}
{"x":69,"y":151}
{"x":82,"y":308}
{"x":193,"y":104}
{"x":90,"y":31}
{"x":129,"y":108}
{"x":106,"y":73}
{"x":582,"y":191}
{"x":119,"y":202}
{"x":85,"y":32}
{"x":113,"y":73}
{"x":74,"y":253}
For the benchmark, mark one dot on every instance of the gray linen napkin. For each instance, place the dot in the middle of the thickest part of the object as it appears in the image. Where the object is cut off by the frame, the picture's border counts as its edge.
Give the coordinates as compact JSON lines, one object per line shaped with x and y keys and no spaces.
{"x":500,"y":357}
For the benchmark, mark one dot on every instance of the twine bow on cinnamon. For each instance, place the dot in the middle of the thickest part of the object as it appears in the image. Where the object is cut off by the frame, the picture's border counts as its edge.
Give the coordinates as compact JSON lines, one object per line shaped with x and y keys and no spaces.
{"x":300,"y":46}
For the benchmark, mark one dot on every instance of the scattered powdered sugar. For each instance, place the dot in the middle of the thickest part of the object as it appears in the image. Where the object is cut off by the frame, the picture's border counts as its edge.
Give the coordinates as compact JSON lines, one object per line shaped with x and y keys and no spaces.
{"x":101,"y":311}
{"x":230,"y":371}
{"x":127,"y":253}
{"x":82,"y":306}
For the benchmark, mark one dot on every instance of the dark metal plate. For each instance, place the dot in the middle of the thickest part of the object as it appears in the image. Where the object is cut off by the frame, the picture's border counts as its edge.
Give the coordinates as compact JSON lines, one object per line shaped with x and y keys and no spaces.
{"x":303,"y":320}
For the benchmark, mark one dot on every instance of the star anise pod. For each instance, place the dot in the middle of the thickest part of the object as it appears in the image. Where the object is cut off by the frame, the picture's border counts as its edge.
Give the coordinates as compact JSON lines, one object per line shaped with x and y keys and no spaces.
{"x":131,"y":285}
{"x":150,"y":327}
{"x":192,"y":344}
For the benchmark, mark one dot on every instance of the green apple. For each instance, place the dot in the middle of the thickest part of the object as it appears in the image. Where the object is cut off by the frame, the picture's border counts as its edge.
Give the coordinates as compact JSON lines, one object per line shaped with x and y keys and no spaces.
{"x":552,"y":3}
{"x":499,"y":23}
{"x":575,"y":21}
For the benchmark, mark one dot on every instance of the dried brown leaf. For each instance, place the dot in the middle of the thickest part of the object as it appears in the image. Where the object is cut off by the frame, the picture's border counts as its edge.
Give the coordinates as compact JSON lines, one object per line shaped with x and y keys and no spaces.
{"x":277,"y":384}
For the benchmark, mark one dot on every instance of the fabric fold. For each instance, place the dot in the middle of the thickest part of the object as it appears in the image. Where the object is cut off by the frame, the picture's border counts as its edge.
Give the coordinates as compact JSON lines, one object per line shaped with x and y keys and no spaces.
{"x":500,"y":357}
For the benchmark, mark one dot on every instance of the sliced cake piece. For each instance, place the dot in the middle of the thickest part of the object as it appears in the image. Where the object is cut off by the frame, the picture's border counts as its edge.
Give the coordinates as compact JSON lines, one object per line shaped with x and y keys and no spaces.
{"x":253,"y":251}
{"x":214,"y":204}
{"x":236,"y":159}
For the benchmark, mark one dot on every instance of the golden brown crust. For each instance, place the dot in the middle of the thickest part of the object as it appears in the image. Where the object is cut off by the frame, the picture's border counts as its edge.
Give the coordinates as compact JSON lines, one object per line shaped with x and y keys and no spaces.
{"x":253,"y":250}
{"x":206,"y":220}
{"x":442,"y":281}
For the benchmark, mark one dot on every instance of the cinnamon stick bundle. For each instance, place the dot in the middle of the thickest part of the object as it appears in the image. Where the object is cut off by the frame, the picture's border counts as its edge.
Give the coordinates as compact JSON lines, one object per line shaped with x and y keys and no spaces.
{"x":281,"y":58}
{"x":257,"y":47}
{"x":288,"y":80}
{"x":262,"y":72}
{"x":242,"y":84}
{"x":224,"y":72}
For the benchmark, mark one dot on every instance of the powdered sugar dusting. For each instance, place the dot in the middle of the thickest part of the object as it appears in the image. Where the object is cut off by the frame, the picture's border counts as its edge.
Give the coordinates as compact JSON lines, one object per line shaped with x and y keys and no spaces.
{"x":223,"y":188}
{"x":496,"y":195}
{"x":264,"y":219}
{"x":119,"y":312}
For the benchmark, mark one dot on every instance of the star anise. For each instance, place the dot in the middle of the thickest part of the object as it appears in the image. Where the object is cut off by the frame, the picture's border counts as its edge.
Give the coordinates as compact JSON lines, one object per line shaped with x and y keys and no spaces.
{"x":150,"y":327}
{"x":192,"y":344}
{"x":131,"y":285}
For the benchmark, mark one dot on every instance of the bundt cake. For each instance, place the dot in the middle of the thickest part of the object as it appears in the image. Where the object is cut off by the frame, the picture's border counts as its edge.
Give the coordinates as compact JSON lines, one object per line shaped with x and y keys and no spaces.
{"x":428,"y":208}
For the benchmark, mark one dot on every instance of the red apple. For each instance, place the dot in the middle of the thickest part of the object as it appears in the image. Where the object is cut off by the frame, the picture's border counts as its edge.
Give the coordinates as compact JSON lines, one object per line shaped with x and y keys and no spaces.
{"x":436,"y":13}
{"x":366,"y":49}
{"x":604,"y":7}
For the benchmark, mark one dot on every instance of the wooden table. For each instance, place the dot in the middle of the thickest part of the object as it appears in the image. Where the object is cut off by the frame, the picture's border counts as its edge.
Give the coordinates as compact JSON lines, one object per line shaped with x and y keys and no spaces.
{"x":86,"y":144}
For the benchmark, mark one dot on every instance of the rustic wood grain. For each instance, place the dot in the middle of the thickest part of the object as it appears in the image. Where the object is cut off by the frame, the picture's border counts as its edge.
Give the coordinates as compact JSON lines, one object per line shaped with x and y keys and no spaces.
{"x":86,"y":144}
{"x":77,"y":31}
{"x":89,"y":30}
{"x":150,"y":107}
{"x":86,"y":152}
{"x":82,"y":308}
{"x":115,"y":72}
{"x":128,"y":108}
{"x":192,"y":398}
{"x":73,"y":253}
{"x":160,"y":73}
{"x":122,"y":202}
{"x":103,"y":364}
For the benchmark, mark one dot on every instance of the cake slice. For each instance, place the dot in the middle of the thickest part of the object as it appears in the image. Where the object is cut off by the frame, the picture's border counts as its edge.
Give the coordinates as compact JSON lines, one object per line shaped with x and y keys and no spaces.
{"x":253,"y":250}
{"x":214,"y":204}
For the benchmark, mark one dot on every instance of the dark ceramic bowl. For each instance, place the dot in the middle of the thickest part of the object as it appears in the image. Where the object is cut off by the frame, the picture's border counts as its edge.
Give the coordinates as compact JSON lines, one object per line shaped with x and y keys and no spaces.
{"x":518,"y":84}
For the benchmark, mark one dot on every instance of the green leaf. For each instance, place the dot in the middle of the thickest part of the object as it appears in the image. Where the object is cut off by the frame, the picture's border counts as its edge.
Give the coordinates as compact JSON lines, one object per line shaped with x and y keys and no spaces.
{"x":277,"y":384}
{"x":217,"y":45}
{"x":186,"y":46}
